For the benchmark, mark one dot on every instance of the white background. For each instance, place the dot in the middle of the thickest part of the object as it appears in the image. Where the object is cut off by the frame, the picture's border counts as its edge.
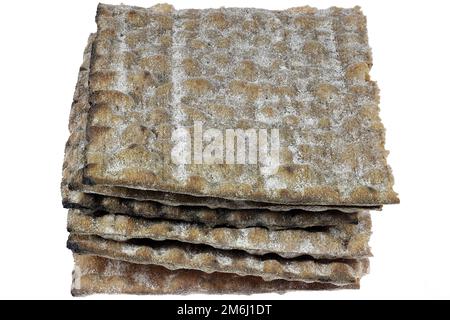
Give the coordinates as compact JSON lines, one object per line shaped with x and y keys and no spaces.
{"x":41,"y":50}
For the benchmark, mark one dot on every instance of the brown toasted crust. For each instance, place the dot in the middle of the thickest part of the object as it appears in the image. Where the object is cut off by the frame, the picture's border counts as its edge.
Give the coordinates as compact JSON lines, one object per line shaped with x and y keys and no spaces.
{"x":344,"y":241}
{"x":96,"y":275}
{"x":175,"y":255}
{"x":339,"y":158}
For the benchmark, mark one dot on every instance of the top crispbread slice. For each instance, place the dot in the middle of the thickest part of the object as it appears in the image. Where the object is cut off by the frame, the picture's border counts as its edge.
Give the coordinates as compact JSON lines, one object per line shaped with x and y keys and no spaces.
{"x":76,"y":194}
{"x":303,"y":71}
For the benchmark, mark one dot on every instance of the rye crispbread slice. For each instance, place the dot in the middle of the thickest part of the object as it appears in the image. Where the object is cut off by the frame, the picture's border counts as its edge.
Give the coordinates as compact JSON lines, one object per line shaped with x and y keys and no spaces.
{"x":303,"y":71}
{"x":175,"y":255}
{"x":96,"y":275}
{"x":344,"y":241}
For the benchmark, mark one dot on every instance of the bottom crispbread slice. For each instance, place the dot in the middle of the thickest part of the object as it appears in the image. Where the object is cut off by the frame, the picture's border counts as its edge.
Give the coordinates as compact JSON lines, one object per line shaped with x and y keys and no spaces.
{"x":346,"y":241}
{"x":176,"y":255}
{"x":207,"y":216}
{"x":94,"y":275}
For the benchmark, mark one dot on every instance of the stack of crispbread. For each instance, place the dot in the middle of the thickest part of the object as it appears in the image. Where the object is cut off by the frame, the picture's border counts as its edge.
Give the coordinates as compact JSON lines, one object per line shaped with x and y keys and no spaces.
{"x":147,"y":218}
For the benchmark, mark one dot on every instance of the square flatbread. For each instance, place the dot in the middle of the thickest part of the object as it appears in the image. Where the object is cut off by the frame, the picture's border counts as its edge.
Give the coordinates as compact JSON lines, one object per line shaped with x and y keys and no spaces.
{"x":175,"y":255}
{"x":302,"y":71}
{"x":100,"y":275}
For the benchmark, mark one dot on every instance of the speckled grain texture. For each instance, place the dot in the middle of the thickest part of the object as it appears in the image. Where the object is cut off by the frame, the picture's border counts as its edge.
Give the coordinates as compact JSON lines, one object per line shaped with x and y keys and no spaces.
{"x":344,"y":241}
{"x":175,"y":255}
{"x":303,"y":71}
{"x":96,"y":275}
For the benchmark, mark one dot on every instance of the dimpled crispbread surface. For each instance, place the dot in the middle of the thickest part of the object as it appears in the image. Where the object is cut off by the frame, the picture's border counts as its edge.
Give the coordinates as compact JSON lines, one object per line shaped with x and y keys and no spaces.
{"x":303,"y":71}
